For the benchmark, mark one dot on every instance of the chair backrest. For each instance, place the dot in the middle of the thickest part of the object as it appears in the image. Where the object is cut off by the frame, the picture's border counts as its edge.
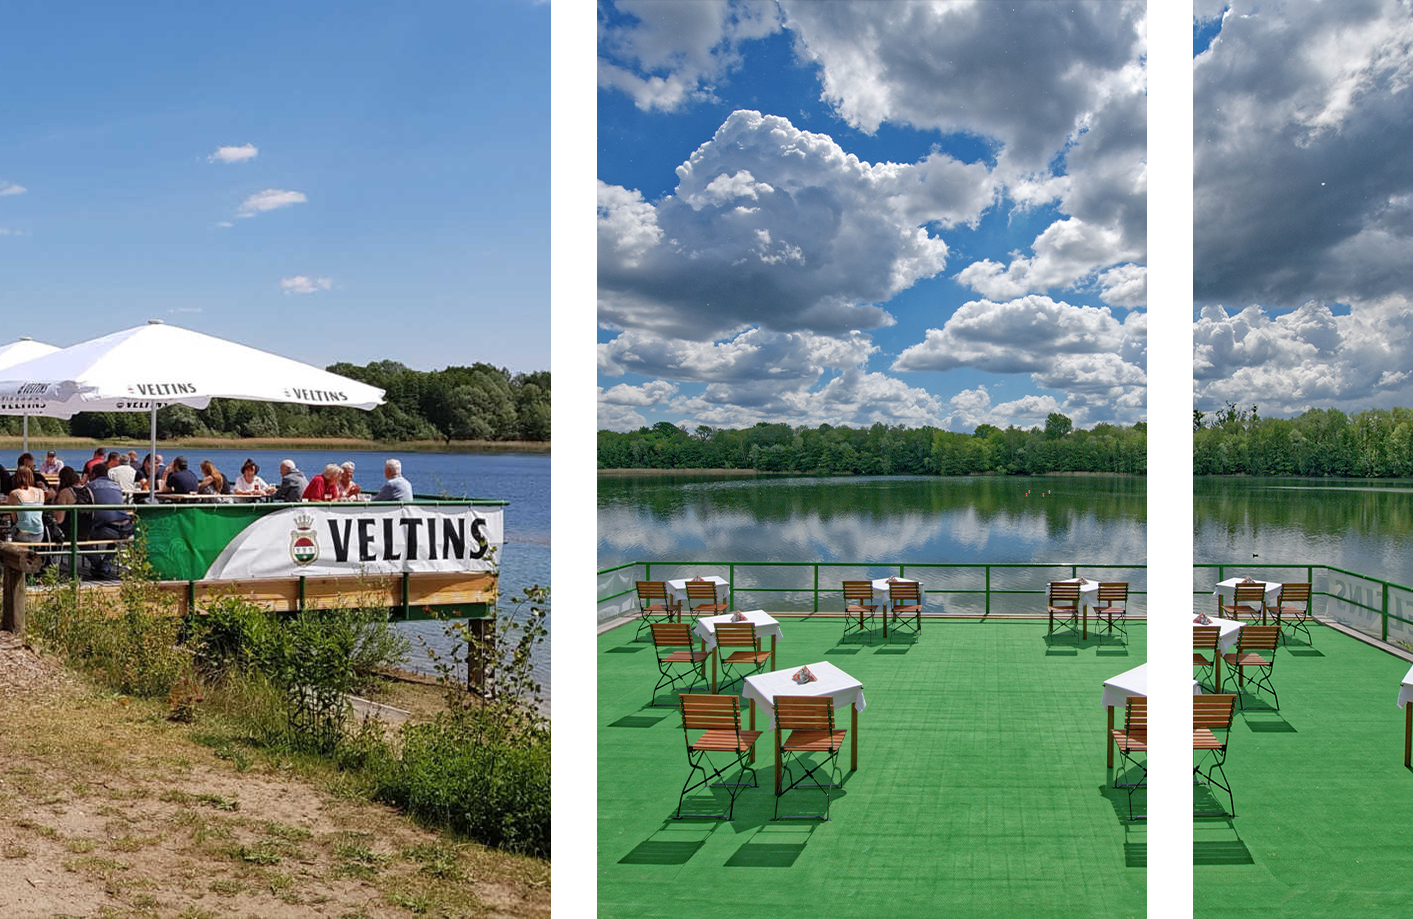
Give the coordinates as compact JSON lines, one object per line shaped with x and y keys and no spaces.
{"x":1213,"y":712}
{"x":1113,"y":593}
{"x":1136,"y":715}
{"x":1250,"y":594}
{"x":1064,"y":593}
{"x":903,"y":592}
{"x":671,"y":634}
{"x":1294,"y":593}
{"x":1204,"y":637}
{"x":1259,"y":638}
{"x":736,"y":635}
{"x":651,"y":590}
{"x":702,"y":712}
{"x":858,"y":590}
{"x":701,"y":590}
{"x":804,"y":713}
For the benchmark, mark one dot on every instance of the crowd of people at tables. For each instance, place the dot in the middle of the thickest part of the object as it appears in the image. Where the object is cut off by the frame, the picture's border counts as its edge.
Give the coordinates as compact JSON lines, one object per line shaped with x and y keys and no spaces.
{"x":111,"y":477}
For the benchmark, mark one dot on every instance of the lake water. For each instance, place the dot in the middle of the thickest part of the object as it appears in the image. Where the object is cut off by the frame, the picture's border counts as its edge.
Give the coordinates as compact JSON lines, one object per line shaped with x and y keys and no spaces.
{"x":1363,"y":525}
{"x":1063,"y":519}
{"x":523,"y":479}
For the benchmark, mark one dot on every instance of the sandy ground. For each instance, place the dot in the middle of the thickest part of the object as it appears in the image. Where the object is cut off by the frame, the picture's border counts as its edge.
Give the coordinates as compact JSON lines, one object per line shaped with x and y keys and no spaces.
{"x":107,"y":809}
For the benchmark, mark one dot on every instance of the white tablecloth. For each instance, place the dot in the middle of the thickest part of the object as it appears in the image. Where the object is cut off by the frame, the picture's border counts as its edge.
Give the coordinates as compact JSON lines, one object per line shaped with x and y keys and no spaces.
{"x":1130,"y":683}
{"x":764,"y":687}
{"x":1230,"y":632}
{"x":1088,"y":590}
{"x":677,"y":590}
{"x":1227,"y":590}
{"x":705,"y":628}
{"x":880,"y":589}
{"x":1405,"y":692}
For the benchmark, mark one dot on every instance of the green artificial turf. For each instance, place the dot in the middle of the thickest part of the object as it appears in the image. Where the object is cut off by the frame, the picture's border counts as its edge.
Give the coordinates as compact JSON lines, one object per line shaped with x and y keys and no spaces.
{"x":981,"y":789}
{"x":1324,"y":804}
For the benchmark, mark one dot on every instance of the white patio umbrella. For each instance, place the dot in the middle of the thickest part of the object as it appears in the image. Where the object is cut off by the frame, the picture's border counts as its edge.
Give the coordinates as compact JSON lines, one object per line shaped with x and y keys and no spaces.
{"x":17,"y":352}
{"x":153,"y":365}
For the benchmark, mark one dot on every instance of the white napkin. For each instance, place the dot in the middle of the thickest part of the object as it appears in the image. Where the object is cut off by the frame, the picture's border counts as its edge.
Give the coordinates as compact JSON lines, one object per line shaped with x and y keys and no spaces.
{"x":803,"y":676}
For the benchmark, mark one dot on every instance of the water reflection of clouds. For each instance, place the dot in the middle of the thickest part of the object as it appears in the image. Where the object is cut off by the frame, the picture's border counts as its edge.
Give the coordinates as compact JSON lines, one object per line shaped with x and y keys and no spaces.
{"x":962,"y":535}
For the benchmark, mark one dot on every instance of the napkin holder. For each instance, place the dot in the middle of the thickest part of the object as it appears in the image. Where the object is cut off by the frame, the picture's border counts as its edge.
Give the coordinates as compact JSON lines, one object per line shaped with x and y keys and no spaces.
{"x":1082,"y":581}
{"x":1248,"y":581}
{"x":1201,"y":620}
{"x":803,"y":676}
{"x":738,"y":616}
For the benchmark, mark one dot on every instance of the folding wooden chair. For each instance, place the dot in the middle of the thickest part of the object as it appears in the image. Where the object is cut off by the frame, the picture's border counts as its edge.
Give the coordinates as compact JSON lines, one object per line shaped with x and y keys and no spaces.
{"x":1249,"y":600}
{"x":675,"y":638}
{"x":1133,"y":739}
{"x":1256,"y":650}
{"x":1063,"y":604}
{"x":859,"y":607}
{"x":810,"y":721}
{"x":1211,"y":714}
{"x":701,"y":599}
{"x":906,"y":598}
{"x":719,"y":718}
{"x":744,"y":662}
{"x":1204,"y":642}
{"x":653,"y":601}
{"x":1112,"y":610}
{"x":1293,"y":606}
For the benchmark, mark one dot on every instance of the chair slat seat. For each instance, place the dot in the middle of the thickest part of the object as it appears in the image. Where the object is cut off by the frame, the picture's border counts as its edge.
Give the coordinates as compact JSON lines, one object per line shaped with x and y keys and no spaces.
{"x":701,"y":598}
{"x":675,"y":648}
{"x":859,"y":606}
{"x":718,"y":717}
{"x":1131,"y":739}
{"x":1293,"y":608}
{"x":810,"y":723}
{"x":1211,"y":733}
{"x":905,"y":599}
{"x":1112,"y":608}
{"x":1135,"y":741}
{"x":1204,"y":642}
{"x":654,"y":601}
{"x":1062,"y":607}
{"x":1248,"y":600}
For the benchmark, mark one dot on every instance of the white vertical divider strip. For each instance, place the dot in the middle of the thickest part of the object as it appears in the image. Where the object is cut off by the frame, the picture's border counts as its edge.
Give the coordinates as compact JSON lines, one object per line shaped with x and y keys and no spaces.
{"x":1169,"y":831}
{"x":572,"y":478}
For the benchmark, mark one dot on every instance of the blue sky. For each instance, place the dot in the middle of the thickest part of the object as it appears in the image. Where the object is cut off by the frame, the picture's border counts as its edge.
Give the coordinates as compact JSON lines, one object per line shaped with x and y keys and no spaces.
{"x":382,"y":193}
{"x":1302,"y":205}
{"x":850,"y":213}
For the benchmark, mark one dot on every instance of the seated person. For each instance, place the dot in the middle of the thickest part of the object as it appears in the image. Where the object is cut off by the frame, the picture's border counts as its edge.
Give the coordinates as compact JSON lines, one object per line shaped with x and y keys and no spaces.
{"x":113,"y":523}
{"x":51,"y":465}
{"x":212,"y":481}
{"x":292,"y":483}
{"x":26,"y":461}
{"x":29,"y":523}
{"x":347,"y":487}
{"x":324,"y":487}
{"x":396,"y":488}
{"x":124,"y":474}
{"x":180,"y":479}
{"x":100,"y":457}
{"x":249,"y":481}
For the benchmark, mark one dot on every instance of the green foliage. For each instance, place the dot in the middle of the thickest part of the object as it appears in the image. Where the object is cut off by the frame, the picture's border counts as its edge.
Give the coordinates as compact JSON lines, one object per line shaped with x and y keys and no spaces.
{"x":482,"y":767}
{"x":313,"y":659}
{"x":881,"y":449}
{"x":1375,"y":443}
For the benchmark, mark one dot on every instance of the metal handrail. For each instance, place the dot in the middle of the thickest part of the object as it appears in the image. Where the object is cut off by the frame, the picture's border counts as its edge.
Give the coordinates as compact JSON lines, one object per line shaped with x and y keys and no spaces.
{"x":1384,"y":609}
{"x":902,"y":568}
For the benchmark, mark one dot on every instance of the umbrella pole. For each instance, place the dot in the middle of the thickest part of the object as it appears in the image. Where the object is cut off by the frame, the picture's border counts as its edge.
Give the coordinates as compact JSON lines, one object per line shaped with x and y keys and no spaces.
{"x":24,"y":428}
{"x":152,"y":468}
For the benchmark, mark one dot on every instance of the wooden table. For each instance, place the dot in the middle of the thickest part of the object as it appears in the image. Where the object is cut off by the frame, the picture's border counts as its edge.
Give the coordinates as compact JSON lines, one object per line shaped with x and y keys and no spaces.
{"x":762,"y":689}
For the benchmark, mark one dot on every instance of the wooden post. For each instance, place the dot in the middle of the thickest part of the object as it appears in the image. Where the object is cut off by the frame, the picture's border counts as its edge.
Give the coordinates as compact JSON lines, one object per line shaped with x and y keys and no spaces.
{"x":479,"y":650}
{"x":18,"y":560}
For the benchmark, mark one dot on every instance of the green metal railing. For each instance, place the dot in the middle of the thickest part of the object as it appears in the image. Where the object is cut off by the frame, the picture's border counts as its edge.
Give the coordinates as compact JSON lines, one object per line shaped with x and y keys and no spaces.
{"x":987,"y":588}
{"x":1390,"y":605}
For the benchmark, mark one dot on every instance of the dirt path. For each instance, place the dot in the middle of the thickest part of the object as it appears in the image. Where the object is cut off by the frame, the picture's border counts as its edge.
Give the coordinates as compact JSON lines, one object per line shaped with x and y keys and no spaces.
{"x":107,"y":809}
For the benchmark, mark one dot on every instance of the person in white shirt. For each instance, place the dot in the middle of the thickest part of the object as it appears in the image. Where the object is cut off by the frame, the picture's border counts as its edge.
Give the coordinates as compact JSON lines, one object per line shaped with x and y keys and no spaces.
{"x":124,"y":474}
{"x":51,"y":465}
{"x":248,"y":482}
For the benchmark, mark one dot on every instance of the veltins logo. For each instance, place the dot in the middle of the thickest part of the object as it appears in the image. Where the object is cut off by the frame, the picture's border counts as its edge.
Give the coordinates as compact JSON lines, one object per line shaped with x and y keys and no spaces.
{"x":303,"y":543}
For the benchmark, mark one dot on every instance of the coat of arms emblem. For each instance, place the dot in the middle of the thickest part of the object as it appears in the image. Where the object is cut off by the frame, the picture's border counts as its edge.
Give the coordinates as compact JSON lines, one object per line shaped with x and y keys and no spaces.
{"x":303,"y":542}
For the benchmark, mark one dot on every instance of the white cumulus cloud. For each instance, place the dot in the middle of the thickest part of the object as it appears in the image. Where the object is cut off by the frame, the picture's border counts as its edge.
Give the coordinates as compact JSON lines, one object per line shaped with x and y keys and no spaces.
{"x":10,"y":188}
{"x":268,"y":200}
{"x":233,"y":154}
{"x":299,"y":284}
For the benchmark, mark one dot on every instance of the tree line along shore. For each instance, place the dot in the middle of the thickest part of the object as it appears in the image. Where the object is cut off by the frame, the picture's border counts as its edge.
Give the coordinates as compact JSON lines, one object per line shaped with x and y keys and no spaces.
{"x":881,"y":449}
{"x":1374,"y":443}
{"x":475,"y":405}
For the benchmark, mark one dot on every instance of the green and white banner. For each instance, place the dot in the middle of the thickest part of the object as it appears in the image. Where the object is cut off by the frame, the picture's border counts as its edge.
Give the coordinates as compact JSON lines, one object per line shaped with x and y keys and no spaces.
{"x":233,"y":541}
